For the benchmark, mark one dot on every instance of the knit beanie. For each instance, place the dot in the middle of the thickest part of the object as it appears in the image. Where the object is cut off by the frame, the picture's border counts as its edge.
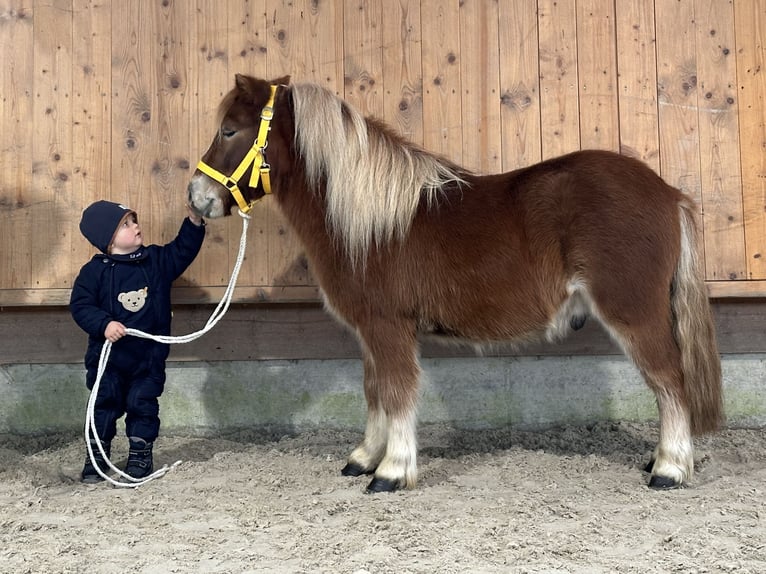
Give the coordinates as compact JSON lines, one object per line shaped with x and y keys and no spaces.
{"x":100,"y":221}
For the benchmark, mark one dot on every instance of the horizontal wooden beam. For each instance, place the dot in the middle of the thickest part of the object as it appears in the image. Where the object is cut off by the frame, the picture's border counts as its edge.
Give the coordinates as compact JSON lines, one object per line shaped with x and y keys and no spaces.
{"x":738,"y":289}
{"x":186,"y":295}
{"x":198,"y":295}
{"x":305,"y":331}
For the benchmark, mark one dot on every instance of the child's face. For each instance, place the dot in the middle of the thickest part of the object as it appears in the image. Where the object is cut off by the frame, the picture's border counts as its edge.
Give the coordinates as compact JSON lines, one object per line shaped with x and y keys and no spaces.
{"x":127,"y":238}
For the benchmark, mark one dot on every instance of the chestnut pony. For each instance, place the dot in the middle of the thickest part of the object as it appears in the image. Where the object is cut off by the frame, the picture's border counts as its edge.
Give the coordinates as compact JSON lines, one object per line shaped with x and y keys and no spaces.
{"x":404,"y":242}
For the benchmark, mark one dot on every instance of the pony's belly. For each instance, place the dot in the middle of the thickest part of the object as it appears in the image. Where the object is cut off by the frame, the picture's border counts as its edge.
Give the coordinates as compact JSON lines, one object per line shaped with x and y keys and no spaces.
{"x":483,"y":334}
{"x":509,"y":321}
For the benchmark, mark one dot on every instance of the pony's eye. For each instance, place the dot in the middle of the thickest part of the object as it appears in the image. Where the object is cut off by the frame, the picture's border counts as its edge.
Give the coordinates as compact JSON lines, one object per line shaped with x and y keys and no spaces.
{"x":228,"y":132}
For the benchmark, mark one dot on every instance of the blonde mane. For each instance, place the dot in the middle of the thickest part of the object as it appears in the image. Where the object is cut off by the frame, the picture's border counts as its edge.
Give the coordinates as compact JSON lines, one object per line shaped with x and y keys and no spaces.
{"x":374,"y":179}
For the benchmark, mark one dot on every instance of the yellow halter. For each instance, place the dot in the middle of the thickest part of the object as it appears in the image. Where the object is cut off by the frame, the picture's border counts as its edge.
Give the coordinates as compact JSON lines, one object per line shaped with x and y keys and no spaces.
{"x":254,"y":158}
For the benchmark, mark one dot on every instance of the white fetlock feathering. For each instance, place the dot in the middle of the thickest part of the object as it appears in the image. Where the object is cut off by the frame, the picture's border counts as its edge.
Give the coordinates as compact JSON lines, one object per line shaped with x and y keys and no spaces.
{"x":91,"y":435}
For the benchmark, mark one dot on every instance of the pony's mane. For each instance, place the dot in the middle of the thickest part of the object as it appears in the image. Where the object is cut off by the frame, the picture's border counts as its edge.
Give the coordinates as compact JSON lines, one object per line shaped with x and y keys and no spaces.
{"x":374,"y":179}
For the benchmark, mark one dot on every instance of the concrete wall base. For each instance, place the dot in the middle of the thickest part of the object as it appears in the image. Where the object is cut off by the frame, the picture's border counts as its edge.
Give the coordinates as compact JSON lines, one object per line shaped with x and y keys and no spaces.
{"x":210,"y":398}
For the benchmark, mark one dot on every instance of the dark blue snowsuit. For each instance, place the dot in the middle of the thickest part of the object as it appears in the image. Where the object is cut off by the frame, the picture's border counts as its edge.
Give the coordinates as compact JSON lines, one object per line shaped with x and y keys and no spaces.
{"x":134,"y":290}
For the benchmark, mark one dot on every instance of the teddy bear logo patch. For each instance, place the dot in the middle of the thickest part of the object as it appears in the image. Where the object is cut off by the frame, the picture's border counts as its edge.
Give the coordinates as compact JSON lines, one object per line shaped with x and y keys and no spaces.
{"x":133,"y":300}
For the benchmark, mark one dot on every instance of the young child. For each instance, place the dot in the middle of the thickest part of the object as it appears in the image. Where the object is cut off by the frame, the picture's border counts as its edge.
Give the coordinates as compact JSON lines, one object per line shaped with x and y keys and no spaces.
{"x":127,"y":285}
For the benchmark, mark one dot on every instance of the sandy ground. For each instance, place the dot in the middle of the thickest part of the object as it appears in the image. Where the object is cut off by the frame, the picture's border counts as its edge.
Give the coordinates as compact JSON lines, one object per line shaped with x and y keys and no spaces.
{"x":565,"y":500}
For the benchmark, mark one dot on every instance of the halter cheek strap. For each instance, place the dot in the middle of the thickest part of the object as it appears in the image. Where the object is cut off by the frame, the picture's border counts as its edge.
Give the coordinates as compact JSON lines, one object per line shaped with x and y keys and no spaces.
{"x":255,"y":157}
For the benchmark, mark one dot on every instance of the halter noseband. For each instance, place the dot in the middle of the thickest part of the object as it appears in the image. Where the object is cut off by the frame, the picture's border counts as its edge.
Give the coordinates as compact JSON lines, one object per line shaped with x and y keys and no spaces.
{"x":255,"y":157}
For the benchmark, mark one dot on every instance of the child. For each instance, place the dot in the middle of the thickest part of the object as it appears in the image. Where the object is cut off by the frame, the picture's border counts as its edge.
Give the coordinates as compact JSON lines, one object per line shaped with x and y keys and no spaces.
{"x":127,"y":285}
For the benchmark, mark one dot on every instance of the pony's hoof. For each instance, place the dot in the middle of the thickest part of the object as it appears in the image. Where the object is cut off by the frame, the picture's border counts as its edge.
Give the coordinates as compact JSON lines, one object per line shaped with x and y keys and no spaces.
{"x":352,"y":469}
{"x":382,"y":485}
{"x":663,"y":483}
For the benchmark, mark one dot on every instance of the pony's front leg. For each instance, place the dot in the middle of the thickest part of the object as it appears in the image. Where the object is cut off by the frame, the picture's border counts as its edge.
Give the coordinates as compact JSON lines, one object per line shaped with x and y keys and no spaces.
{"x":391,"y":374}
{"x":399,"y":467}
{"x":366,"y":457}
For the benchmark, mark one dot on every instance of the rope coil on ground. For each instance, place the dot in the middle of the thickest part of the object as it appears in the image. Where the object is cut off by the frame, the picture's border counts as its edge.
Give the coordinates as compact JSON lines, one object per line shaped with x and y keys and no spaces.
{"x":91,"y":434}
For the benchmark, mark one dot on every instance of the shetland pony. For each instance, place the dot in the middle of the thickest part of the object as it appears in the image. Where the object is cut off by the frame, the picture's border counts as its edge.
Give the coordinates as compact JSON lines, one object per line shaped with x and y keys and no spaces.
{"x":404,"y":242}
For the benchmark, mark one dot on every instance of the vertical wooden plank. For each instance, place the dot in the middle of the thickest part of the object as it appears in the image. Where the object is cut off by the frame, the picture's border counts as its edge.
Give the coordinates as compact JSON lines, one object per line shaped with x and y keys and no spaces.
{"x":719,"y":141}
{"x":200,"y":112}
{"x":143,"y":179}
{"x":288,"y":39}
{"x":171,"y":162}
{"x":132,"y":99}
{"x":363,"y":58}
{"x":637,"y":65}
{"x":288,"y":52}
{"x":91,"y":109}
{"x":677,"y":95}
{"x":750,"y":24}
{"x":16,"y":120}
{"x":402,"y":69}
{"x":248,"y":49}
{"x":247,"y":38}
{"x":559,"y":103}
{"x":305,"y":41}
{"x":519,"y":84}
{"x":442,"y":88}
{"x":597,"y":74}
{"x":479,"y":70}
{"x":51,"y":192}
{"x":325,"y":29}
{"x":209,"y":80}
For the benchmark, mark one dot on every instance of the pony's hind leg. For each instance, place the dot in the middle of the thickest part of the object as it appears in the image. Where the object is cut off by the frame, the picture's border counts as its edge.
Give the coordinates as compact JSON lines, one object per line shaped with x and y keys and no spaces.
{"x":672,"y":463}
{"x":391,"y":372}
{"x":650,"y":343}
{"x":640,"y":321}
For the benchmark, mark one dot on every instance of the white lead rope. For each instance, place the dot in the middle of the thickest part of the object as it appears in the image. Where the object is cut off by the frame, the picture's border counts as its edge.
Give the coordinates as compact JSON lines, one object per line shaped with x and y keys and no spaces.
{"x":90,"y":422}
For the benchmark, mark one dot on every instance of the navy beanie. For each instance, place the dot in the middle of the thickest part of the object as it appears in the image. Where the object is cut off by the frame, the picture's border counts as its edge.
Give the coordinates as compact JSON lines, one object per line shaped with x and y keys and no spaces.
{"x":100,"y":221}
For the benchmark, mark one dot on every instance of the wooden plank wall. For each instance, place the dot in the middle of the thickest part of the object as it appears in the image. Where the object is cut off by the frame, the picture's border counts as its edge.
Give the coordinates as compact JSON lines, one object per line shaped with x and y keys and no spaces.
{"x":117,"y":100}
{"x":251,"y":332}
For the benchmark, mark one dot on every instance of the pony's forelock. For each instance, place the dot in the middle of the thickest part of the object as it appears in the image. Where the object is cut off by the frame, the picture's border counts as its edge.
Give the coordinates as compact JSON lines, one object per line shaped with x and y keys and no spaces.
{"x":224,"y":107}
{"x":374,"y":180}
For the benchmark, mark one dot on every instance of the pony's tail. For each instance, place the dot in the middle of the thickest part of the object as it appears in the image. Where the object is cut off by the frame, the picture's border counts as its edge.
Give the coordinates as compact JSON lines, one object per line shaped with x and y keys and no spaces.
{"x":694,"y":331}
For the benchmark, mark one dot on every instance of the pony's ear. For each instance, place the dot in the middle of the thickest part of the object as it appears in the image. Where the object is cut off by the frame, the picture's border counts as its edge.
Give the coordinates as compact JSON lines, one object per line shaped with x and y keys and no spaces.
{"x":283,"y":81}
{"x":253,"y":89}
{"x":243,"y":82}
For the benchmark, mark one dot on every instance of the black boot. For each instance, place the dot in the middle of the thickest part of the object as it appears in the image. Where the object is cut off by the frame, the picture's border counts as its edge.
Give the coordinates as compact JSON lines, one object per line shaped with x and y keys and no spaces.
{"x":139,"y":458}
{"x":89,"y":473}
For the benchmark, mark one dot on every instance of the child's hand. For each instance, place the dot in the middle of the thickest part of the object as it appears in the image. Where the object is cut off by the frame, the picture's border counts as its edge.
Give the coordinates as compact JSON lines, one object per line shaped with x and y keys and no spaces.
{"x":114,"y":331}
{"x":193,"y":217}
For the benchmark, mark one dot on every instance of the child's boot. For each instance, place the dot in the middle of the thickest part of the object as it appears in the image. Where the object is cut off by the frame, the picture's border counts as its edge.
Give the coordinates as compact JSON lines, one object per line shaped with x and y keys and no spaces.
{"x":89,"y":473}
{"x":140,"y":462}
